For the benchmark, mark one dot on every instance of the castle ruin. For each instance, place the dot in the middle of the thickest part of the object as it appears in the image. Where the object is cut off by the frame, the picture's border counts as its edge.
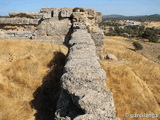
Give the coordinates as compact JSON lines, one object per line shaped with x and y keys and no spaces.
{"x":51,"y":24}
{"x":84,"y":94}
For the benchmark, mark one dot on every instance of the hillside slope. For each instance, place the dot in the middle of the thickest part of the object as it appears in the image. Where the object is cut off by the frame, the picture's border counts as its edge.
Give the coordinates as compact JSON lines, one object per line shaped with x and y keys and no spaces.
{"x":28,"y":69}
{"x":154,"y":17}
{"x":135,"y":81}
{"x":26,"y":78}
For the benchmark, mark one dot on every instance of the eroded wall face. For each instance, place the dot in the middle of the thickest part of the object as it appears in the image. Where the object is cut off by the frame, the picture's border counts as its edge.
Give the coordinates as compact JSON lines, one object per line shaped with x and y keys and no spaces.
{"x":51,"y":24}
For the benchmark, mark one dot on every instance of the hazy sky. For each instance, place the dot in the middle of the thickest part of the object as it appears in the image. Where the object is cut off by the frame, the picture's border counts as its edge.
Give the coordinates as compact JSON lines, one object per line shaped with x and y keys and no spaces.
{"x":107,"y":7}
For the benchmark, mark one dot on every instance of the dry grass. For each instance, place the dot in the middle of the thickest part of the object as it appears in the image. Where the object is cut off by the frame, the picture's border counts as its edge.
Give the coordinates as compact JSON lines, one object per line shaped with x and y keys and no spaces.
{"x":154,"y":24}
{"x":135,"y":84}
{"x":23,"y":66}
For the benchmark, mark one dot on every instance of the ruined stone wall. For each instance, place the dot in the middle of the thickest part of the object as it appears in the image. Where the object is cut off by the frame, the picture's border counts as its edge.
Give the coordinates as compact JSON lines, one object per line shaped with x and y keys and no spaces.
{"x":51,"y":24}
{"x":17,"y":27}
{"x":84,"y":95}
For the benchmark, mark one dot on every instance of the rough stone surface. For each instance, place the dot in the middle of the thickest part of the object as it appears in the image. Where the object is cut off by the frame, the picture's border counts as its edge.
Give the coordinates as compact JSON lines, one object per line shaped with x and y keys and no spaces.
{"x":90,"y":13}
{"x":66,"y":12}
{"x":97,"y":36}
{"x":19,"y":21}
{"x":33,"y":15}
{"x":52,"y":30}
{"x":98,"y":17}
{"x":84,"y":94}
{"x":16,"y":34}
{"x":111,"y":57}
{"x":50,"y":12}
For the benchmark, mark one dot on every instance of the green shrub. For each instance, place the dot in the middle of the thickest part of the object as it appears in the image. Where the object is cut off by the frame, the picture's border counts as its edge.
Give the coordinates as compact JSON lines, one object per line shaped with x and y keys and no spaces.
{"x":158,"y":57}
{"x":153,"y":39}
{"x":151,"y":34}
{"x":137,"y":46}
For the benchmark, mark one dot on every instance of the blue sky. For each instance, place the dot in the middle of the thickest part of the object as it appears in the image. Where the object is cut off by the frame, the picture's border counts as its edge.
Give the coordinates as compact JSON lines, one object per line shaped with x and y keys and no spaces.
{"x":107,"y":7}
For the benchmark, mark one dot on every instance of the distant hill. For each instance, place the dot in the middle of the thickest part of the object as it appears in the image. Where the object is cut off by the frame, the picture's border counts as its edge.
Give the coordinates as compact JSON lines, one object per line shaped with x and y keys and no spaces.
{"x":154,"y":17}
{"x":113,"y":16}
{"x":4,"y":16}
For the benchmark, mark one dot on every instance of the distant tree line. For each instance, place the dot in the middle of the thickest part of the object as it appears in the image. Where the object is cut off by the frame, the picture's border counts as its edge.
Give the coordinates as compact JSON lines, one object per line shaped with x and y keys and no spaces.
{"x":4,"y":16}
{"x":110,"y":23}
{"x":152,"y":34}
{"x":154,"y":17}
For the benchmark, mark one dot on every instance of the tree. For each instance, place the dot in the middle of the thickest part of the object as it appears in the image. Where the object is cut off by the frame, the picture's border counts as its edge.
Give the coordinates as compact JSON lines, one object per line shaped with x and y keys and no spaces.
{"x":153,"y":38}
{"x":137,"y":46}
{"x":151,"y":35}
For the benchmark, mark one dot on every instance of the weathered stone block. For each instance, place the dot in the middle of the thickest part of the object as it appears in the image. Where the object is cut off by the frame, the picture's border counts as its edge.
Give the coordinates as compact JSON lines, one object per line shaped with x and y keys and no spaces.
{"x":25,"y":21}
{"x":19,"y":21}
{"x":52,"y":12}
{"x":53,"y":30}
{"x":98,"y":17}
{"x":98,"y":37}
{"x":32,"y":15}
{"x":78,"y":25}
{"x":47,"y":15}
{"x":16,"y":34}
{"x":90,"y":13}
{"x":6,"y":21}
{"x":66,"y":12}
{"x":34,"y":21}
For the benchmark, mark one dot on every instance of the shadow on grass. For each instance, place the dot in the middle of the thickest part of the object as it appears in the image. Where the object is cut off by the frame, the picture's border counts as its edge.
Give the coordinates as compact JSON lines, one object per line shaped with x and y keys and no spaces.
{"x":131,"y":49}
{"x":46,"y":96}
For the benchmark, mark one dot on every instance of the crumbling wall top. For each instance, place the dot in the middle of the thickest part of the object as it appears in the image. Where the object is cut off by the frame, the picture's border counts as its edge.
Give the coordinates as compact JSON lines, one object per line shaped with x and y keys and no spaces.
{"x":33,"y":15}
{"x":90,"y":13}
{"x":98,"y":17}
{"x":19,"y":21}
{"x":50,"y":12}
{"x":48,"y":9}
{"x":66,"y":12}
{"x":78,"y":9}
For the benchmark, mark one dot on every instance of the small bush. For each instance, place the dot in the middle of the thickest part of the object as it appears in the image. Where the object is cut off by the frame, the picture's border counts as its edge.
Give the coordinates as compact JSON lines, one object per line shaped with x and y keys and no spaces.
{"x":137,"y":46}
{"x":158,"y":57}
{"x":153,"y":39}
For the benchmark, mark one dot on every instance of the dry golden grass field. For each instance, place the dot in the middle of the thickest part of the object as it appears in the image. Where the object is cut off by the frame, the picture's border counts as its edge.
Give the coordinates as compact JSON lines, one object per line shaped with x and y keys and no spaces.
{"x":153,"y":24}
{"x":135,"y":81}
{"x":30,"y":72}
{"x":26,"y":74}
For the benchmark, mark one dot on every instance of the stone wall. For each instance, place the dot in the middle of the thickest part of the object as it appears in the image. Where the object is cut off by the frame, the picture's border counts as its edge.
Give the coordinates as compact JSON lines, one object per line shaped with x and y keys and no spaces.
{"x":84,"y":95}
{"x":51,"y":24}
